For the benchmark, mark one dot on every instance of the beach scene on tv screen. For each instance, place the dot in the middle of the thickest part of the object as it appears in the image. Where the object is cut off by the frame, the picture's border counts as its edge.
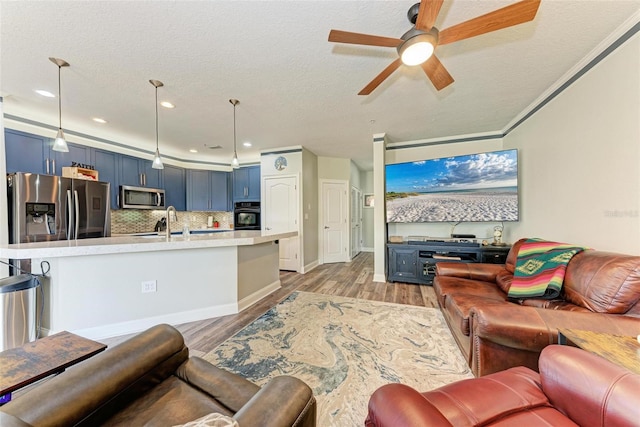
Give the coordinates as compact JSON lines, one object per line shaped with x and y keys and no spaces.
{"x":476,"y":188}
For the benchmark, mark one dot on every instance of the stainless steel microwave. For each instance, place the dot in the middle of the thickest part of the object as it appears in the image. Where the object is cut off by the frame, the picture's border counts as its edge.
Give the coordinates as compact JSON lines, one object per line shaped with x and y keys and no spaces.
{"x":141,"y":198}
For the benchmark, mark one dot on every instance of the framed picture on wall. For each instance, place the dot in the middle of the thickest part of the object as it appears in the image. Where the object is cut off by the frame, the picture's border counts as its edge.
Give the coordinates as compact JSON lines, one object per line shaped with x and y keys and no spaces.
{"x":368,"y":200}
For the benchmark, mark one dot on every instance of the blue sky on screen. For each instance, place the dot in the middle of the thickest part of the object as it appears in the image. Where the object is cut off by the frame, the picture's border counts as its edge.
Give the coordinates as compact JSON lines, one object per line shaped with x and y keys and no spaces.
{"x":471,"y":172}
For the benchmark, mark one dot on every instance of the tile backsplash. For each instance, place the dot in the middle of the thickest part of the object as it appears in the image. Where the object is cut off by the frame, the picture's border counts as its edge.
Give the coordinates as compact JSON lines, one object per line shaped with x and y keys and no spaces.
{"x":128,"y":221}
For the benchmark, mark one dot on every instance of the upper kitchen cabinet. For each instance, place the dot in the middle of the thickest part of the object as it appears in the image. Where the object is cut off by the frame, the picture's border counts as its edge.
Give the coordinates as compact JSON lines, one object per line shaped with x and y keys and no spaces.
{"x":139,"y":173}
{"x":32,"y":153}
{"x":175,"y":184}
{"x":246,"y":184}
{"x":107,"y":165}
{"x":208,"y":190}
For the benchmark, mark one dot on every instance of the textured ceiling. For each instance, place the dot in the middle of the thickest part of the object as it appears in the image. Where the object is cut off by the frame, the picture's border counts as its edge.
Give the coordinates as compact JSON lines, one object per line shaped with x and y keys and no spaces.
{"x":294,"y":87}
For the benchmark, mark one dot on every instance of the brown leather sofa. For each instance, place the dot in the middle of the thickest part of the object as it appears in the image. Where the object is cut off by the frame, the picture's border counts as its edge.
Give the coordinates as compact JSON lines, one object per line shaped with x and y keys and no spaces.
{"x":150,"y":380}
{"x":573,"y":388}
{"x":601,"y":292}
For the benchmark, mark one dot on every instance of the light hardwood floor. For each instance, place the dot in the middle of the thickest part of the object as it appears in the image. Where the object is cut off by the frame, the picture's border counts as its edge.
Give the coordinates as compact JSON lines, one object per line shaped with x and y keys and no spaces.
{"x":354,"y":279}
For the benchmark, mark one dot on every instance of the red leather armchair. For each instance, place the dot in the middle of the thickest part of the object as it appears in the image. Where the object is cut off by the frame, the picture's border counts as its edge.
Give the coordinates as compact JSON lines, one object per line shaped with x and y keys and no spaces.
{"x":573,"y":388}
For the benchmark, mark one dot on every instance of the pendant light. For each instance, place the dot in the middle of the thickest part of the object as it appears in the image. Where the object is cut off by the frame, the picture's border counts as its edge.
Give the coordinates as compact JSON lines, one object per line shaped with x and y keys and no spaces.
{"x":157,"y":161}
{"x":234,"y":162}
{"x":60,"y":144}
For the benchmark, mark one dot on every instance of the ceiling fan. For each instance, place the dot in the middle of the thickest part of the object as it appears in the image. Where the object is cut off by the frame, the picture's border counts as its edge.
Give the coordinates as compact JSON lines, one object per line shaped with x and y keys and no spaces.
{"x":416,"y":46}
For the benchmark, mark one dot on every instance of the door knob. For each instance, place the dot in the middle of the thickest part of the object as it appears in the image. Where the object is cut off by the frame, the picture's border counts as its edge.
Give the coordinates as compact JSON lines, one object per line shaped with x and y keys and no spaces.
{"x":326,"y":226}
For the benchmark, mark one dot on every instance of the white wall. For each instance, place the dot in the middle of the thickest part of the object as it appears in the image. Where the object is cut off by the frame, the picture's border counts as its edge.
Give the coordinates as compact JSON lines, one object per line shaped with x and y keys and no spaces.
{"x":580,"y":159}
{"x":366,"y":179}
{"x":310,"y":208}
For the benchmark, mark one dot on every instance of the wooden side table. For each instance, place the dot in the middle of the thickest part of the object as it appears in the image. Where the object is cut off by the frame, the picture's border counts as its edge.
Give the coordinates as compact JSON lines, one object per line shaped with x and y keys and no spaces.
{"x":39,"y":359}
{"x":621,"y":350}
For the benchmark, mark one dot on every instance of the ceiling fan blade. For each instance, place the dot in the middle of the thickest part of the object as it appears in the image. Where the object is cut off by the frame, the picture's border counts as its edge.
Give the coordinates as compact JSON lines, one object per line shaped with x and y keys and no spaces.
{"x":436,"y":72}
{"x":366,"y":39}
{"x":428,"y":13}
{"x":509,"y":16}
{"x":380,"y":77}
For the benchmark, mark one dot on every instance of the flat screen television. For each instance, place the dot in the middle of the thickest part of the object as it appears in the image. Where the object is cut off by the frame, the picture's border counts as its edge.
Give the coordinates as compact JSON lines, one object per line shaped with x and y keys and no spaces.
{"x":470,"y":188}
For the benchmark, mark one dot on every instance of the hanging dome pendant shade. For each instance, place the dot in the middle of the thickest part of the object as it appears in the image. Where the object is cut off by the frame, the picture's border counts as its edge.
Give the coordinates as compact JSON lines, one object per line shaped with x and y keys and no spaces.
{"x":157,"y":161}
{"x":60,"y":143}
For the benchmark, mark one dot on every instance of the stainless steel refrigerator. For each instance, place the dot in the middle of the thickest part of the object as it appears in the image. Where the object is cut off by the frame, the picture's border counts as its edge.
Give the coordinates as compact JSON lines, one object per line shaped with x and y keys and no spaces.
{"x":46,"y":207}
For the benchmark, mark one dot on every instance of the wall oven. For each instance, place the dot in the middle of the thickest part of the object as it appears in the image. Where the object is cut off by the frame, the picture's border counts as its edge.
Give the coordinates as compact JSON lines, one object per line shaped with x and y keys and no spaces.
{"x":246,"y":216}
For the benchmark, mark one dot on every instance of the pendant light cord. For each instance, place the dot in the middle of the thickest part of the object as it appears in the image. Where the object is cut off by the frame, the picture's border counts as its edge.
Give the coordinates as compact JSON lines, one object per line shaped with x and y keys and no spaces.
{"x":59,"y":99}
{"x":235,"y":152}
{"x":157,"y":147}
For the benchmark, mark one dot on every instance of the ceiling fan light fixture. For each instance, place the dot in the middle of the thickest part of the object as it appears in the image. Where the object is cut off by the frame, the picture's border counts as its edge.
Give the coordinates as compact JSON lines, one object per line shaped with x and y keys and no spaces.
{"x":417,"y":49}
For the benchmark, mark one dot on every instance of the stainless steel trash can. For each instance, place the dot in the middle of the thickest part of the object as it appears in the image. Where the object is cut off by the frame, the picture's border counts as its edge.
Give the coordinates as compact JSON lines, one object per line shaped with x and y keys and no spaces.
{"x":17,"y":310}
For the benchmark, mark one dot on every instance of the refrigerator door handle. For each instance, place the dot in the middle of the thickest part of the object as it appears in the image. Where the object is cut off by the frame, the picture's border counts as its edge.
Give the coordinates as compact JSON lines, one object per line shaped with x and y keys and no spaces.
{"x":75,"y":199}
{"x":70,"y":215}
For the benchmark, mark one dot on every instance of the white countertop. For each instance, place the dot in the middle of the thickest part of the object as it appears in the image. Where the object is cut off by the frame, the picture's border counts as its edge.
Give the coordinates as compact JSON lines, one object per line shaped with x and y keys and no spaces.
{"x":130,"y":244}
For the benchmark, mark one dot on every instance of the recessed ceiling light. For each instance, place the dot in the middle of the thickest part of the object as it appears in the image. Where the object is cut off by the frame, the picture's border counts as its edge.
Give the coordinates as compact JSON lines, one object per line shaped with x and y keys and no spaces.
{"x":45,"y":93}
{"x":167,"y":104}
{"x":99,"y":120}
{"x":246,"y":144}
{"x":193,"y":150}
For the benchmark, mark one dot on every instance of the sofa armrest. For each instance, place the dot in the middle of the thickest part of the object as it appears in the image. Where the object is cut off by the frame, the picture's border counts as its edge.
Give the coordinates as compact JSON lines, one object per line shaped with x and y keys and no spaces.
{"x":398,"y":405}
{"x":507,"y":335}
{"x":230,"y":389}
{"x":469,"y":270}
{"x":283,"y":401}
{"x":587,"y":387}
{"x":533,"y":328}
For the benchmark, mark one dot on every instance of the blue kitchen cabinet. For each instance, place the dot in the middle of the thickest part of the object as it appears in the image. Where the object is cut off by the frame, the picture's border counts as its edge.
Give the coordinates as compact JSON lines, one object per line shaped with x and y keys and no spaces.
{"x":220,"y":182}
{"x":138,"y":172}
{"x":175,"y":185}
{"x":106,"y":163}
{"x":77,"y":155}
{"x":246,"y":184}
{"x":208,"y":190}
{"x":26,"y":152}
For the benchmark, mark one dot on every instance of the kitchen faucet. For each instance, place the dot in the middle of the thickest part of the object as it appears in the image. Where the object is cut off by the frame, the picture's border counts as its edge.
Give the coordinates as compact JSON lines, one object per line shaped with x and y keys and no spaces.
{"x":175,"y":218}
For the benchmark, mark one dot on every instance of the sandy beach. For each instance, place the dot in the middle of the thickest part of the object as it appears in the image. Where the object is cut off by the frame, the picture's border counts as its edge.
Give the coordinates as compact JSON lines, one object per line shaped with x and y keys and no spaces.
{"x":454,"y":207}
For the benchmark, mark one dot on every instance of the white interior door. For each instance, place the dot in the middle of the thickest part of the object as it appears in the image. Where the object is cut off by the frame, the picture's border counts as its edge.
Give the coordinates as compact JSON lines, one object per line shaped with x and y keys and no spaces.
{"x":280,"y":214}
{"x":335,"y":236}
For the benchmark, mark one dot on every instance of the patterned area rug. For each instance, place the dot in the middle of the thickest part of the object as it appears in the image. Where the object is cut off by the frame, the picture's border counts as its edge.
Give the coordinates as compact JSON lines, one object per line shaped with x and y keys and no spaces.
{"x":344,"y":349}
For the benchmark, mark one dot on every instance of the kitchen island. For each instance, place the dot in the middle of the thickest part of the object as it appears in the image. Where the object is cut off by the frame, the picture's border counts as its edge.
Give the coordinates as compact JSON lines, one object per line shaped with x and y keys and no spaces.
{"x":112,"y":286}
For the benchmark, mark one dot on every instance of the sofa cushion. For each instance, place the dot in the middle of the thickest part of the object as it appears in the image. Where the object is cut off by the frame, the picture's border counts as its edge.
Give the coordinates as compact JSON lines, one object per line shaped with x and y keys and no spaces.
{"x":603,"y":282}
{"x":503,"y":280}
{"x":447,"y":285}
{"x":171,"y":402}
{"x":459,"y":307}
{"x":512,"y":257}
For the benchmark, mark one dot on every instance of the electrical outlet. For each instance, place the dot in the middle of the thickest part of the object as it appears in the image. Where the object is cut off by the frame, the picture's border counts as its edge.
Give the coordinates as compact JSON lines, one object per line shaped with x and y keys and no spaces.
{"x":149,"y":286}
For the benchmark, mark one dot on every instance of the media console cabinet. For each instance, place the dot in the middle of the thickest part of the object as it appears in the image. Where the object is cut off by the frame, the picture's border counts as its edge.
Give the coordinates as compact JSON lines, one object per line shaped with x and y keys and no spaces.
{"x":415,"y":262}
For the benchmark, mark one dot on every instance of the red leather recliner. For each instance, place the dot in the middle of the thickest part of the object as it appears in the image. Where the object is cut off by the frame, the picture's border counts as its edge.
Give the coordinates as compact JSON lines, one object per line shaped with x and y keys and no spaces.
{"x":573,"y":388}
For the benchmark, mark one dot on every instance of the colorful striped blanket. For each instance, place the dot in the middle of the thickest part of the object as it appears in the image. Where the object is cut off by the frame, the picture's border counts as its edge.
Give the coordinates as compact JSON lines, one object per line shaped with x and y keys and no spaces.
{"x":540,"y":269}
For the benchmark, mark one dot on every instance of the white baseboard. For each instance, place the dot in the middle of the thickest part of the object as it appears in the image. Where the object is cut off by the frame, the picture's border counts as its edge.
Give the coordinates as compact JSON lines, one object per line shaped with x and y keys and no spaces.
{"x":258,"y":295}
{"x":367,"y":249}
{"x":139,"y":325}
{"x":307,"y":268}
{"x":379,"y":278}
